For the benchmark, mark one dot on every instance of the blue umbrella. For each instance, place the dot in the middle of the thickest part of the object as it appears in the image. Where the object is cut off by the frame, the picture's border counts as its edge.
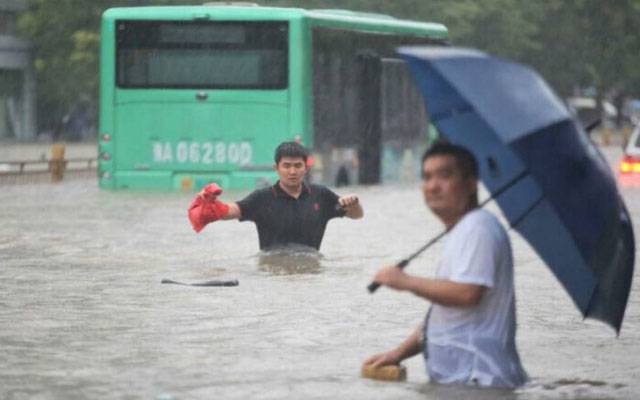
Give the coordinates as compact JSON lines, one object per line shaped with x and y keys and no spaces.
{"x":550,"y":181}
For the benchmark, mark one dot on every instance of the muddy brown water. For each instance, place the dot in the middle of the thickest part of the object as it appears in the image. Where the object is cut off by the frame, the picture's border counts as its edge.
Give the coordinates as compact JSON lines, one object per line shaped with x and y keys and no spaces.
{"x":83,"y":314}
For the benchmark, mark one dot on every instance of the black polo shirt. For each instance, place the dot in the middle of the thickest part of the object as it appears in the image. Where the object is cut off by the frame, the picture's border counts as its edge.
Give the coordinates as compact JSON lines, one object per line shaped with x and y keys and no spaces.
{"x":282,"y":219}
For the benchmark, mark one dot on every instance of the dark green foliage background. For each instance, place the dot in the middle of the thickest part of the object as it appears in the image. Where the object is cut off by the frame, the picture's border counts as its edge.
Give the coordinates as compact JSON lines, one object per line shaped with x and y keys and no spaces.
{"x":574,"y":44}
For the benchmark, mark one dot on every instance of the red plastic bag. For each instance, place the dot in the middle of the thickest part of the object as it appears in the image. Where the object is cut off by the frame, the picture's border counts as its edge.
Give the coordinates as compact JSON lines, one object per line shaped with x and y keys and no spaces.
{"x":206,"y":208}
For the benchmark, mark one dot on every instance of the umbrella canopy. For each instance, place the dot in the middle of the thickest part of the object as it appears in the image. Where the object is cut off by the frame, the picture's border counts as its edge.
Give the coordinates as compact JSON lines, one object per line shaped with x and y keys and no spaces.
{"x":550,"y":181}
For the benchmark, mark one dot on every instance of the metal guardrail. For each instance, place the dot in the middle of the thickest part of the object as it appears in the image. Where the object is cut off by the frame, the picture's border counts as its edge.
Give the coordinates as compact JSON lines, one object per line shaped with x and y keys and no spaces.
{"x":39,"y":166}
{"x":27,"y":171}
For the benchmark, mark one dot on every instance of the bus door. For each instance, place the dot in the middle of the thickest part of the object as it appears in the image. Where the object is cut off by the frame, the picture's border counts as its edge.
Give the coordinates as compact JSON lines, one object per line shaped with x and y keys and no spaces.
{"x":392,"y":121}
{"x":403,"y":120}
{"x":369,"y":121}
{"x":370,"y":124}
{"x":199,"y":98}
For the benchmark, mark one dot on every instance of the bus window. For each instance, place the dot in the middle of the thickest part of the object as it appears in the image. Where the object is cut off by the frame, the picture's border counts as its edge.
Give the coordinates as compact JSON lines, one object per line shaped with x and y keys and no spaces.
{"x":209,"y":55}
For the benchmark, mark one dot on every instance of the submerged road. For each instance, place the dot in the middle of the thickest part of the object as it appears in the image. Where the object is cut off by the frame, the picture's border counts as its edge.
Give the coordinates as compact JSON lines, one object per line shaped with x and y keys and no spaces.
{"x":83,"y":313}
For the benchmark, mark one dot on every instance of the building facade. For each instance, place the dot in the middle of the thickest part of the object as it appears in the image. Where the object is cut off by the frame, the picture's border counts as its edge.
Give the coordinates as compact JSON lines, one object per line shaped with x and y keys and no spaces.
{"x":17,"y":77}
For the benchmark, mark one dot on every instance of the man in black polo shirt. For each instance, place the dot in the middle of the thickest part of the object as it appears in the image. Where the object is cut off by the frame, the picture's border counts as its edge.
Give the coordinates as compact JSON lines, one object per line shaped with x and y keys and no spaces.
{"x":289,"y":212}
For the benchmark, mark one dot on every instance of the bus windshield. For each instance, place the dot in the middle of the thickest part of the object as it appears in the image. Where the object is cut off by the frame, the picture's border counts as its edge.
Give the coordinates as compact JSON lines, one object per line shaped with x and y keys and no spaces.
{"x":210,"y":55}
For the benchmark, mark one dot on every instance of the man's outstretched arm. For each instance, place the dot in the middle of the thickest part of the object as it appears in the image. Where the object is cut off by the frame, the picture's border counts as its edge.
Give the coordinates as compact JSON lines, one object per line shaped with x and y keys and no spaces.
{"x":443,"y":292}
{"x":234,"y":212}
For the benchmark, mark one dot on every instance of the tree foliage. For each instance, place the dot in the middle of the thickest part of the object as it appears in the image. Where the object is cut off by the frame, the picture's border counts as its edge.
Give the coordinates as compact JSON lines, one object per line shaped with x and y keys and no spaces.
{"x":573,"y":44}
{"x":586,"y":44}
{"x":66,"y":37}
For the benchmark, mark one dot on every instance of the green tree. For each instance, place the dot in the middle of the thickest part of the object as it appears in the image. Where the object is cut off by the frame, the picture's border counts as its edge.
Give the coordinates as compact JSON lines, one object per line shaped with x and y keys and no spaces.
{"x":66,"y":37}
{"x":589,"y":43}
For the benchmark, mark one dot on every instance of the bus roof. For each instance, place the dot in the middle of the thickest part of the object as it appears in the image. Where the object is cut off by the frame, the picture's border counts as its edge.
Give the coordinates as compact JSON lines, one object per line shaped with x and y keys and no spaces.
{"x":339,"y":19}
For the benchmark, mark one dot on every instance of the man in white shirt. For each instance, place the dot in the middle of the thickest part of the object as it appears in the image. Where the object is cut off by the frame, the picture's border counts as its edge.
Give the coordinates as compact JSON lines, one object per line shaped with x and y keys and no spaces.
{"x":469,"y":333}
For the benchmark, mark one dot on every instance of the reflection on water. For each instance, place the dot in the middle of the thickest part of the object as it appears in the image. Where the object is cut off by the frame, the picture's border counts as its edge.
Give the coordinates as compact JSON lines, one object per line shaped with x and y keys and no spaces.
{"x":631,"y":180}
{"x":83,"y":314}
{"x":448,"y":392}
{"x":290,"y":261}
{"x":583,"y":389}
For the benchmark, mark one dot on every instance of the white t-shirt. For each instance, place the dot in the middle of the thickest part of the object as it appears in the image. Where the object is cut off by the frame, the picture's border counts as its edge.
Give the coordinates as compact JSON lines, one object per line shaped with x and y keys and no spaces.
{"x":476,"y":345}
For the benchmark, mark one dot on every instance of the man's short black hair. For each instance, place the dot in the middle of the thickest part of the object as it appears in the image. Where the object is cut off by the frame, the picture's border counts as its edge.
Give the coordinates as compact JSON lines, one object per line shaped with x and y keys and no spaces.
{"x":465,"y":160}
{"x":291,"y":149}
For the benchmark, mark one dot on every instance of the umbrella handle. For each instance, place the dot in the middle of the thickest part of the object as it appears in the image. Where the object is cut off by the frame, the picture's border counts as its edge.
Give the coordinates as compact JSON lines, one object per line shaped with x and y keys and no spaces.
{"x":373,"y":286}
{"x":592,"y":125}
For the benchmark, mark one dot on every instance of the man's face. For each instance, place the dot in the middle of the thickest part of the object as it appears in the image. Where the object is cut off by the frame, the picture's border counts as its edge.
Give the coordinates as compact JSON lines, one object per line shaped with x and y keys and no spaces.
{"x":291,"y":170}
{"x":446,"y":191}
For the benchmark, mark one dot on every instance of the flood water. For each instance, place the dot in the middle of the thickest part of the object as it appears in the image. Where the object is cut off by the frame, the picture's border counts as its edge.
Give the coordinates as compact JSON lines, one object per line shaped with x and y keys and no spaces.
{"x":83,"y":314}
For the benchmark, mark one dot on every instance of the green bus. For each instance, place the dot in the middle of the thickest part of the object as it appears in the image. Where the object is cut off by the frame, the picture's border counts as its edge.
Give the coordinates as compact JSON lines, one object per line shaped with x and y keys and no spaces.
{"x":193,"y":94}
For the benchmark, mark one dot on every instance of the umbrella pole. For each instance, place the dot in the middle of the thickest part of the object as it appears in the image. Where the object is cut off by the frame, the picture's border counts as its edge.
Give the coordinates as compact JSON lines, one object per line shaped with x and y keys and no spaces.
{"x":373,"y":286}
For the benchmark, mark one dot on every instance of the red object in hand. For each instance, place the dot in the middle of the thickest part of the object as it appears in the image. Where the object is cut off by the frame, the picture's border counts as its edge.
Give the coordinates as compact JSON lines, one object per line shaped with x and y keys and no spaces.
{"x":205,"y":208}
{"x":210,"y":192}
{"x":310,"y":161}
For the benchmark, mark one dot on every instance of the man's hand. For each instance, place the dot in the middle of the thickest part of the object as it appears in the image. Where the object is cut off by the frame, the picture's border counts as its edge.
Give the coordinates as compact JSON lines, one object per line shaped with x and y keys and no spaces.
{"x":392,"y":357}
{"x":348,"y":201}
{"x":351,"y":205}
{"x":393,"y":277}
{"x":409,"y":348}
